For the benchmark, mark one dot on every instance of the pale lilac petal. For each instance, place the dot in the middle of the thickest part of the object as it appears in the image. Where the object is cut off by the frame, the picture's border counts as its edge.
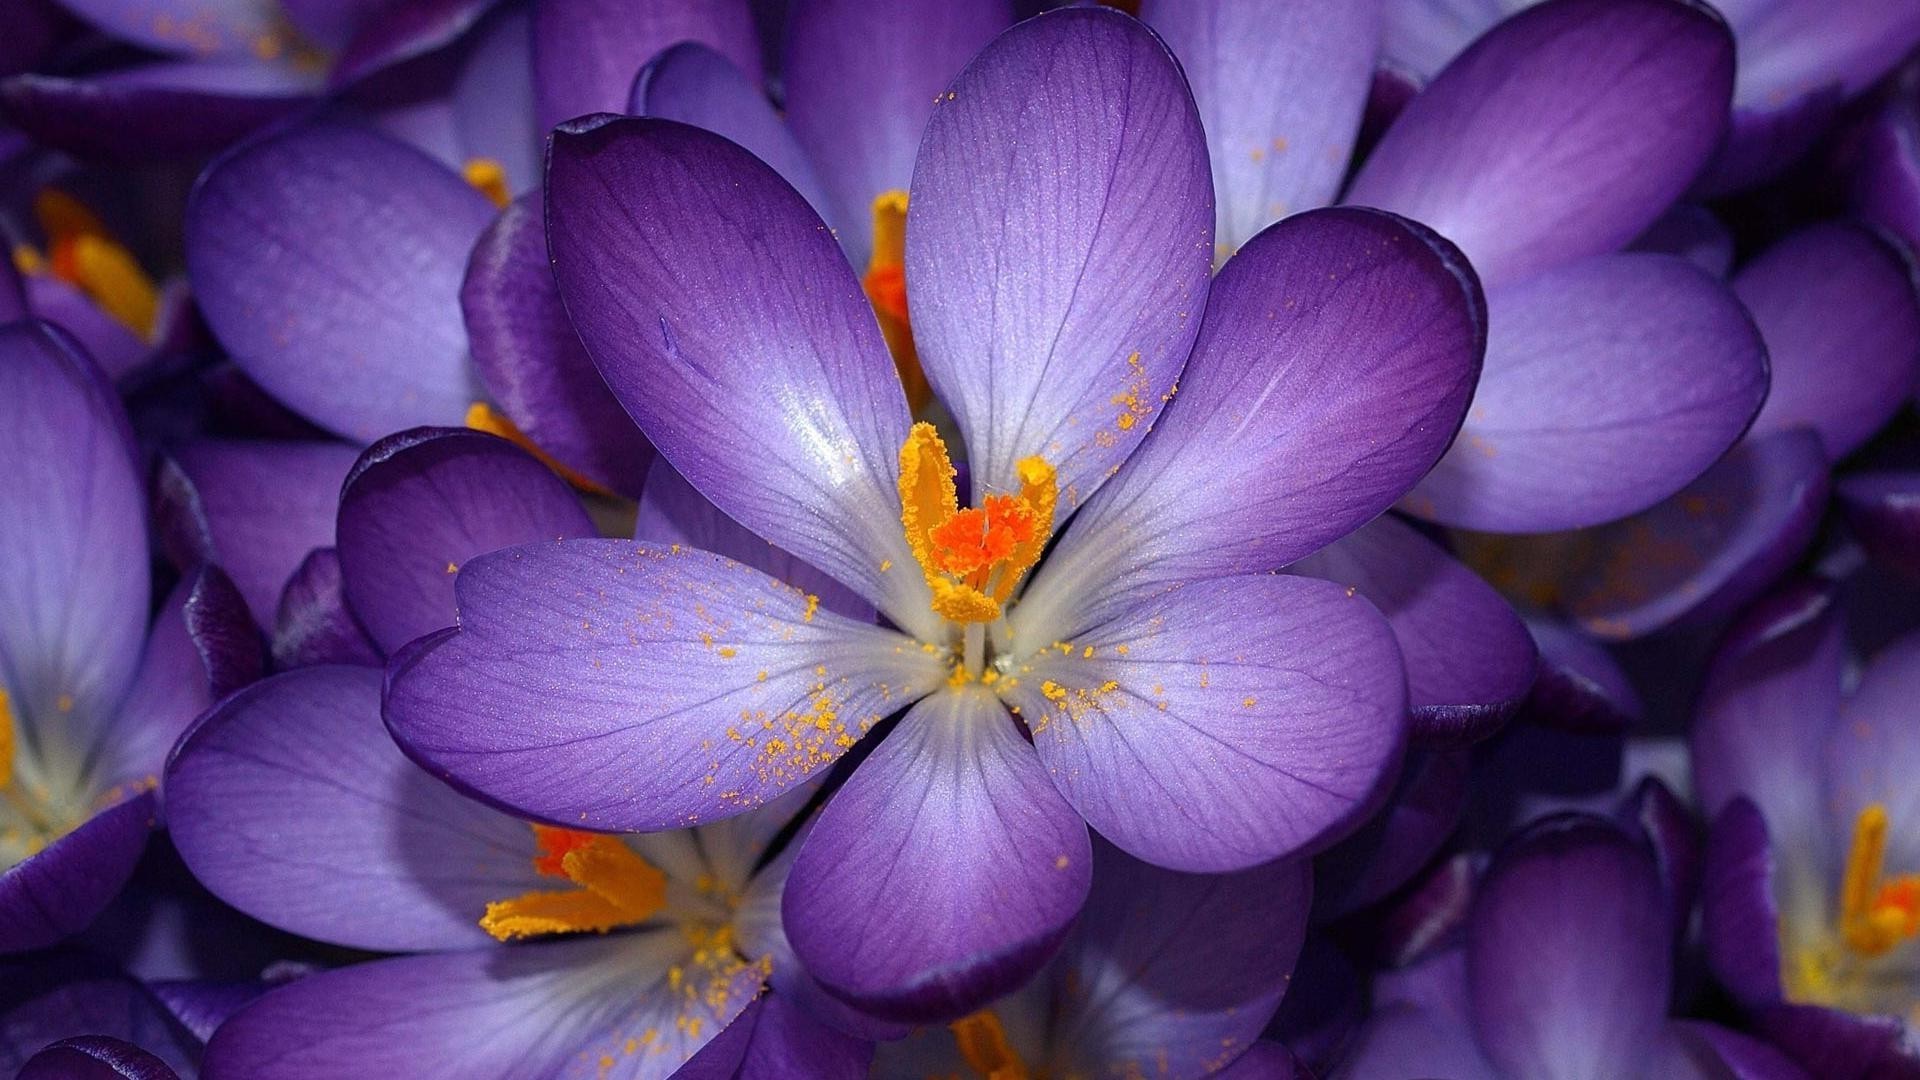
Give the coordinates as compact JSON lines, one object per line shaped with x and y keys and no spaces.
{"x":1874,"y":750}
{"x":585,"y":52}
{"x":313,"y":624}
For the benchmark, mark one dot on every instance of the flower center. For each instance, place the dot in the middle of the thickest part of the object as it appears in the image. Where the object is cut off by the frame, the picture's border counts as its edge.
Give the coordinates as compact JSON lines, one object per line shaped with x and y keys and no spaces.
{"x":885,"y":283}
{"x":29,"y":819}
{"x":1877,"y":914}
{"x":489,"y":178}
{"x":616,"y":888}
{"x":82,"y":253}
{"x":973,"y":558}
{"x":983,"y":1043}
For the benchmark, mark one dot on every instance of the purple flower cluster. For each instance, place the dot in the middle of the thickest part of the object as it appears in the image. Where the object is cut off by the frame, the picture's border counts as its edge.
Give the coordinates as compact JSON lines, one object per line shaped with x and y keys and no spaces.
{"x":960,"y":539}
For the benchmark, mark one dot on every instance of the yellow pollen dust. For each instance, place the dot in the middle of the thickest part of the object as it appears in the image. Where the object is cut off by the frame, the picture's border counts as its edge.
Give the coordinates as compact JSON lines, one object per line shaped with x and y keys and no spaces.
{"x":616,"y":888}
{"x":885,"y":284}
{"x":973,"y":558}
{"x":489,"y":178}
{"x":983,"y":1043}
{"x":84,"y":254}
{"x":1876,"y":914}
{"x":484,"y":417}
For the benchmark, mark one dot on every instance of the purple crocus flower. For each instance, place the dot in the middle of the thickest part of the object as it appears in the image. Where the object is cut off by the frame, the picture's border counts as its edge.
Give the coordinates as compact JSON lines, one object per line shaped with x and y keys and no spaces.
{"x":1812,"y":889}
{"x":1564,"y":974}
{"x":1800,"y":60}
{"x":1059,"y":249}
{"x":93,"y":695}
{"x":1166,"y":974}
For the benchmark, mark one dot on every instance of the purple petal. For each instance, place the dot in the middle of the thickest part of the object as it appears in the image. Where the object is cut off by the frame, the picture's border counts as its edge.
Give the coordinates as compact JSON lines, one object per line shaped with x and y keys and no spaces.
{"x":1671,"y":834}
{"x":13,"y":295}
{"x":531,"y":361}
{"x":1402,"y":1040}
{"x":1883,"y":168}
{"x":609,"y":684}
{"x":1567,"y":955}
{"x":695,"y":85}
{"x":1830,"y":1043}
{"x":419,"y":504}
{"x":56,"y":892}
{"x":1201,"y":743}
{"x":1609,"y":384}
{"x":1386,"y":852}
{"x":551,"y":1008}
{"x":73,"y":582}
{"x":1835,"y":304}
{"x":492,"y":98}
{"x":1742,"y":1057}
{"x":1563,"y":132}
{"x":1770,"y":698}
{"x":585,"y":52}
{"x":946,"y":870}
{"x":390,"y":34}
{"x":1315,"y":396}
{"x":1873,"y":753}
{"x":160,"y":110}
{"x":776,"y":1039}
{"x":290,"y":802}
{"x":327,"y":258}
{"x":671,"y":512}
{"x":669,"y":284}
{"x":1059,"y":241}
{"x":1174,"y":972}
{"x":236,"y":28}
{"x":1580,"y":686}
{"x":1883,"y":508}
{"x":95,"y":1057}
{"x":330,"y":23}
{"x":1739,"y":922}
{"x":1265,"y":1061}
{"x":1280,"y":87}
{"x":57,"y":996}
{"x":1469,"y":658}
{"x":861,"y":83}
{"x":253,"y":508}
{"x":1432,"y":917}
{"x":106,"y":339}
{"x":1694,"y":233}
{"x":1800,"y":46}
{"x":313,"y":624}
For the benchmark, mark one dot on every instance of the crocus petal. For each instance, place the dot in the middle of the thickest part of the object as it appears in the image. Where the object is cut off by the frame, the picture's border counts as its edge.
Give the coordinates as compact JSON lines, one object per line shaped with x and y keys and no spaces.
{"x":1883,"y":508}
{"x":1580,"y":686}
{"x":95,"y":1057}
{"x":1470,"y":660}
{"x":59,"y":995}
{"x":946,"y":870}
{"x":156,"y":110}
{"x":1884,"y":169}
{"x":695,"y":85}
{"x":1567,"y":955}
{"x":290,"y":802}
{"x":56,"y":892}
{"x":1264,"y":1061}
{"x":1564,"y":131}
{"x":1280,"y":88}
{"x":327,"y":258}
{"x":585,"y":52}
{"x":254,"y":508}
{"x":419,"y":504}
{"x":1173,"y":972}
{"x":1338,"y":353}
{"x":1874,"y":751}
{"x":492,"y":100}
{"x":1201,"y":743}
{"x":1609,"y":384}
{"x":1717,"y":1051}
{"x":671,"y":512}
{"x":1401,"y":838}
{"x":1706,"y":551}
{"x":13,"y":294}
{"x":1059,"y":241}
{"x":106,"y":339}
{"x":388,"y":34}
{"x":704,"y":686}
{"x":1739,"y":922}
{"x":314,"y":624}
{"x":1842,"y":1045}
{"x":1771,"y":695}
{"x":208,"y":28}
{"x":551,"y":1008}
{"x":677,"y":253}
{"x":1431,"y":918}
{"x":1694,"y":233}
{"x":1790,"y":48}
{"x":1835,"y":304}
{"x":861,"y":82}
{"x":532,"y":362}
{"x":73,"y":583}
{"x":1403,"y":1040}
{"x":774,"y":1039}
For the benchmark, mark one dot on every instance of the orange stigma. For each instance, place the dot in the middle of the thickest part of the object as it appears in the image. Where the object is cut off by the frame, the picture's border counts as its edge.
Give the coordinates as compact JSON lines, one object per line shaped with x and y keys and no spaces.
{"x":489,"y":178}
{"x":973,"y":558}
{"x":617,"y":888}
{"x":1876,"y":914}
{"x":885,"y":283}
{"x":983,"y":1043}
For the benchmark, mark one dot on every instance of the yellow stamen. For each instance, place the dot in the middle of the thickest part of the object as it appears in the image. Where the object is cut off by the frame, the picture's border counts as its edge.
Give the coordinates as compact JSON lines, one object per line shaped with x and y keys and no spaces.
{"x":617,"y":888}
{"x":1876,"y":915}
{"x":484,"y":417}
{"x":983,"y":1043}
{"x":973,"y":558}
{"x":83,"y":253}
{"x":885,"y":283}
{"x":489,"y":178}
{"x":6,"y":741}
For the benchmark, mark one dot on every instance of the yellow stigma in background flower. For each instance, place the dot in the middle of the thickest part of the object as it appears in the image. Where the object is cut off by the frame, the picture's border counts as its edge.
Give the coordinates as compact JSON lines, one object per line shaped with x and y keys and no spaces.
{"x":885,"y":283}
{"x":974,"y":557}
{"x":489,"y":178}
{"x":1876,"y":914}
{"x":617,"y":888}
{"x":84,"y":254}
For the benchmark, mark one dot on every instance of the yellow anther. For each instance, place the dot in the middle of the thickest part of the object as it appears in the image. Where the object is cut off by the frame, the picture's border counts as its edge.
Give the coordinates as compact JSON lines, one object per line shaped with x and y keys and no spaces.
{"x":983,"y":1043}
{"x":83,"y":253}
{"x":617,"y":888}
{"x":973,"y":558}
{"x":1876,"y":914}
{"x":885,"y":283}
{"x":489,"y":178}
{"x":6,"y":740}
{"x":484,"y":417}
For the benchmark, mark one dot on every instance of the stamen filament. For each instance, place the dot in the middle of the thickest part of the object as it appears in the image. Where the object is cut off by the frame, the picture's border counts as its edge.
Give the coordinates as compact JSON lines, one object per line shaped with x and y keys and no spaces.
{"x":1876,"y":915}
{"x":983,"y":1043}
